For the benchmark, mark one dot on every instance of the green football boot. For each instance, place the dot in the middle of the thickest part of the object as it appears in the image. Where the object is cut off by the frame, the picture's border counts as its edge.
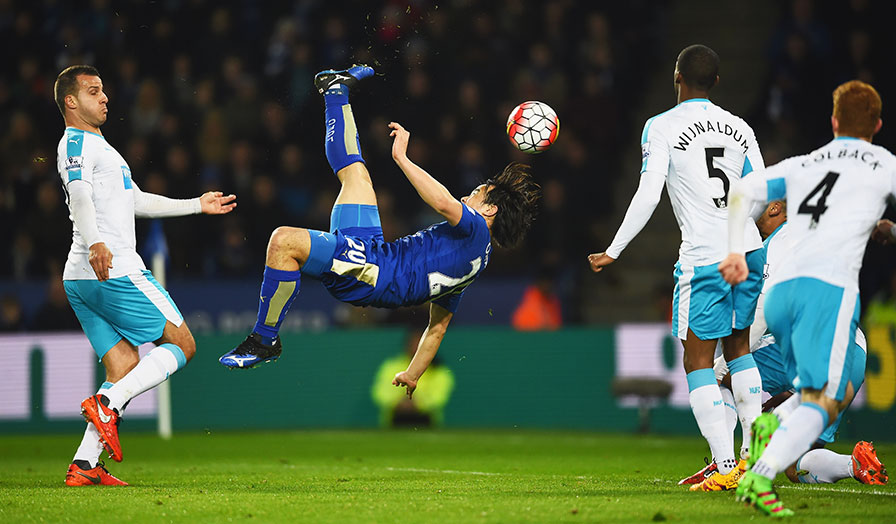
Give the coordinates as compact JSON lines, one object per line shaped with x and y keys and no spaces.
{"x":757,"y":491}
{"x":763,"y":427}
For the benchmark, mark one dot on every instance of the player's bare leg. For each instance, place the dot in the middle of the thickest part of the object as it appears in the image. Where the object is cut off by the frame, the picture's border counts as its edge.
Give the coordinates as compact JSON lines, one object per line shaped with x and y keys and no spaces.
{"x":357,"y":187}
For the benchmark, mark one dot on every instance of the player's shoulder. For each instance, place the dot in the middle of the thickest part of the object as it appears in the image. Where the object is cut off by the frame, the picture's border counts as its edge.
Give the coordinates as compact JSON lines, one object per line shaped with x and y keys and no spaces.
{"x":883,"y":154}
{"x":725,"y":114}
{"x":656,"y":124}
{"x":78,"y":140}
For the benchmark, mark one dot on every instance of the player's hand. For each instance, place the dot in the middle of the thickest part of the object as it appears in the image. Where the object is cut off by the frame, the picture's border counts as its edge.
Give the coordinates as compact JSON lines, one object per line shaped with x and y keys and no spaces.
{"x":734,"y":268}
{"x":100,"y":259}
{"x":403,"y":379}
{"x":400,"y":144}
{"x":883,"y":233}
{"x":599,"y":261}
{"x":216,"y":203}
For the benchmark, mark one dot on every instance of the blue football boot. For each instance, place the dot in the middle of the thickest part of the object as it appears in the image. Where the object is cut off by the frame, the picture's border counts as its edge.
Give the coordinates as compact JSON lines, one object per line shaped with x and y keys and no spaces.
{"x":332,"y":79}
{"x":250,"y":352}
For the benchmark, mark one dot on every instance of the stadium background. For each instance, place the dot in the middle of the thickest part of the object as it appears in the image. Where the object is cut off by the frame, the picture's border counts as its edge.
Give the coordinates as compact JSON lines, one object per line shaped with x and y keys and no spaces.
{"x":207,"y":95}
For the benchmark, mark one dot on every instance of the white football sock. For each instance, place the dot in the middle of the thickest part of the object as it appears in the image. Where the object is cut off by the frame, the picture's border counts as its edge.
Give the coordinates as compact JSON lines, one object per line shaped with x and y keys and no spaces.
{"x":91,"y":448}
{"x":793,"y":438}
{"x":784,"y":409}
{"x":709,"y":411}
{"x":730,"y":410}
{"x":152,"y":370}
{"x":823,"y":466}
{"x":746,"y":385}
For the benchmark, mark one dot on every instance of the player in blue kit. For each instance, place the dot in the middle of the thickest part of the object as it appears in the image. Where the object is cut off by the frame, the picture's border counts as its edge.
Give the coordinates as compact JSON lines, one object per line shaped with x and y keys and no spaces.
{"x":353,"y":260}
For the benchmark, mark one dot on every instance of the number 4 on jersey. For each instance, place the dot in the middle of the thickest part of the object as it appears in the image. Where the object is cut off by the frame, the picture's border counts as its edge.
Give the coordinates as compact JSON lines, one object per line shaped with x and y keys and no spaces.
{"x":818,"y":209}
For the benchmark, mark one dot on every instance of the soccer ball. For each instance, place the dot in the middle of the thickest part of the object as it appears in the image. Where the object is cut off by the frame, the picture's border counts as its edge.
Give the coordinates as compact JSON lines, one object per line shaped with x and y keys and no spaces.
{"x":532,"y":127}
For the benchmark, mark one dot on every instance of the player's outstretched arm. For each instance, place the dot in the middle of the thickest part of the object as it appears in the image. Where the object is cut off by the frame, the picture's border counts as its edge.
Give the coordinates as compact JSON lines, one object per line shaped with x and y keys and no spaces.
{"x":439,"y":318}
{"x":641,"y":208}
{"x":150,"y":205}
{"x":430,"y":190}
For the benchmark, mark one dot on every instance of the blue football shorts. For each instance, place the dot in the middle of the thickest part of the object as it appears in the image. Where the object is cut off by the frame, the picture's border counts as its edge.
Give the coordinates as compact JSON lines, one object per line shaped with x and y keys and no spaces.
{"x":133,"y":307}
{"x":814,"y":323}
{"x":711,"y":307}
{"x":340,"y":259}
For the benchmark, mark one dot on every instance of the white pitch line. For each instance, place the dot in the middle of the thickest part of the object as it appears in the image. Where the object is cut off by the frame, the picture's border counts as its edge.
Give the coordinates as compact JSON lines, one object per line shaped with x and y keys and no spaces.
{"x":422,"y":470}
{"x":843,"y":490}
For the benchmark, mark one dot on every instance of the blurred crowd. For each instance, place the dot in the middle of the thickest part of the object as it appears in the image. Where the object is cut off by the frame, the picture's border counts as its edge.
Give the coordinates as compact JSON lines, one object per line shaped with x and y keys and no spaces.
{"x":207,"y":95}
{"x":218,"y":95}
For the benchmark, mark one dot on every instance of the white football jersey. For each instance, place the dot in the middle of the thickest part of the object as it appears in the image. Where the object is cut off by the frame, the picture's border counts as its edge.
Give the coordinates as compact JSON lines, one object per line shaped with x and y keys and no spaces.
{"x":776,"y":245}
{"x":699,"y":147}
{"x":86,"y":156}
{"x":835,"y":196}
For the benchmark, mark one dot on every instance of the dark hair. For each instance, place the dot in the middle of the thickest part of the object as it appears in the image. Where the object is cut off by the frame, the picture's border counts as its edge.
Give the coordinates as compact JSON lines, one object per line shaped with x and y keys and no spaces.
{"x":67,"y":83}
{"x":699,"y":67}
{"x":515,"y":194}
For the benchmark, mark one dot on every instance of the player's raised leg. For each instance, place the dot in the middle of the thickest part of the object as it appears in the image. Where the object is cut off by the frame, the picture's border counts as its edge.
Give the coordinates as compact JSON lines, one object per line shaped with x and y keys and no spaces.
{"x":355,"y":206}
{"x":293,"y":251}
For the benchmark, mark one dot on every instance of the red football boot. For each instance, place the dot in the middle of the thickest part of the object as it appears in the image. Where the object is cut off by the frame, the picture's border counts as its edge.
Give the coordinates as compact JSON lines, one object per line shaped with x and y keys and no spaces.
{"x":106,"y":422}
{"x":701,"y":475}
{"x":97,"y":476}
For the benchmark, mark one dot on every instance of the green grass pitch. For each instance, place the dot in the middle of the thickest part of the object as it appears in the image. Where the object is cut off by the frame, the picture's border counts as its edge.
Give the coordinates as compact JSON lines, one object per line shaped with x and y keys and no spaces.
{"x":402,"y":476}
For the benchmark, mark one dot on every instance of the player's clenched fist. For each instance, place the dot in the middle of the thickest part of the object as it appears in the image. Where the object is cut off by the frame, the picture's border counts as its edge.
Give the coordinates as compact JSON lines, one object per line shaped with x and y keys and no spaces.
{"x":598,"y":261}
{"x":734,"y":268}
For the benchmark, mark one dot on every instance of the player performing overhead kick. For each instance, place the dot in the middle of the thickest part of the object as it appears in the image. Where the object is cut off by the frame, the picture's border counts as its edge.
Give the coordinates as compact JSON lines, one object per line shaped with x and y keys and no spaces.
{"x":696,"y":149}
{"x":835,"y":195}
{"x":357,"y":265}
{"x":118,"y":302}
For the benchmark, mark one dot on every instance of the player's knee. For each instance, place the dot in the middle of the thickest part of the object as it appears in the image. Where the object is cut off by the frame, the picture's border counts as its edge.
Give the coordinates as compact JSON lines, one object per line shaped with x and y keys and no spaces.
{"x":281,"y":239}
{"x":188,"y":346}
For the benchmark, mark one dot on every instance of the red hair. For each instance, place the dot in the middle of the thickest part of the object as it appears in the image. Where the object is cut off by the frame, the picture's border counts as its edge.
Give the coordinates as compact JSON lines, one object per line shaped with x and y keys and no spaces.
{"x":857,"y":109}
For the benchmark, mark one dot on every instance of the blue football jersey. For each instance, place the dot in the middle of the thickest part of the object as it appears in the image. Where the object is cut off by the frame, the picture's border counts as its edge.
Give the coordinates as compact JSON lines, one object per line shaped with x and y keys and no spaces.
{"x":435,"y":264}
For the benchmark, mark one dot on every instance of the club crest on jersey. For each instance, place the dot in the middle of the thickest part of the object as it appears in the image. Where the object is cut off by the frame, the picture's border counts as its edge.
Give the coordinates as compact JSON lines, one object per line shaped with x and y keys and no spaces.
{"x":73,"y":162}
{"x":645,"y":150}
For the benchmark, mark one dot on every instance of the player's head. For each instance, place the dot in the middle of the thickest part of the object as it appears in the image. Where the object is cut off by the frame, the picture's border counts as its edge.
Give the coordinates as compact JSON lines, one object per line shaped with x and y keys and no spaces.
{"x":774,"y":215}
{"x":856,"y":110}
{"x":509,"y":200}
{"x":79,"y":95}
{"x":697,"y":67}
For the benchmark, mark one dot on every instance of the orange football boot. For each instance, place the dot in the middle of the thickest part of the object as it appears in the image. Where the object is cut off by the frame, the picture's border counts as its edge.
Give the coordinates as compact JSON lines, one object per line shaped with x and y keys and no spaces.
{"x":106,"y":422}
{"x":98,"y":476}
{"x":866,"y":467}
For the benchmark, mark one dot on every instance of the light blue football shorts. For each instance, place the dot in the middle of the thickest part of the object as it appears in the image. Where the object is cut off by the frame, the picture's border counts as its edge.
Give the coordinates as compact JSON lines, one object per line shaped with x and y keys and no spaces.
{"x":708,"y":305}
{"x":814,"y":323}
{"x":776,"y":379}
{"x":134,"y":307}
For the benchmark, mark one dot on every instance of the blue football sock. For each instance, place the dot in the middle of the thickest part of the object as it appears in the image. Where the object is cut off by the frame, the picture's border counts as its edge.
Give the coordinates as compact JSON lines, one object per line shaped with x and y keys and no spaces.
{"x":278,"y":290}
{"x":341,"y":141}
